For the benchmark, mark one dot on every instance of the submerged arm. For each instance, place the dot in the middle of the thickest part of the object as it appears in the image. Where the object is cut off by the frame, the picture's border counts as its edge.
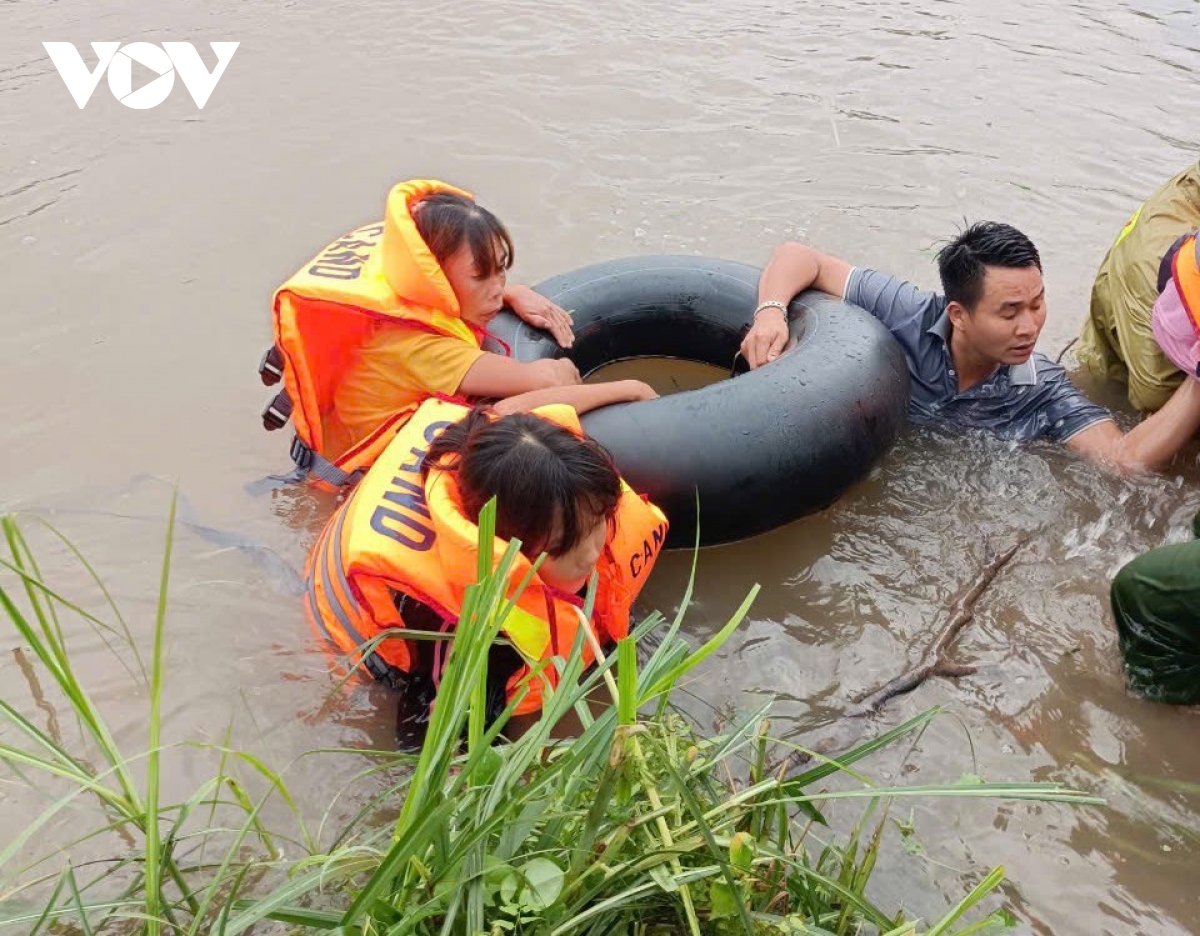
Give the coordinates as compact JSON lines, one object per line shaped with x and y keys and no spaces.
{"x":1150,"y":444}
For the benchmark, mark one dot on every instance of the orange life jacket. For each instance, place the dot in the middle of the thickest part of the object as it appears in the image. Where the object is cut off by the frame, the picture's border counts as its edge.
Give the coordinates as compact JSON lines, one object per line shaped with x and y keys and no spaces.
{"x":383,"y":272}
{"x":399,"y":535}
{"x":1185,"y":270}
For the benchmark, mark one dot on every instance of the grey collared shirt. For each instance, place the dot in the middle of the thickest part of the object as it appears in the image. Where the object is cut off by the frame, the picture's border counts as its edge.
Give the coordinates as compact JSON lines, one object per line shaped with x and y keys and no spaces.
{"x":1024,"y":402}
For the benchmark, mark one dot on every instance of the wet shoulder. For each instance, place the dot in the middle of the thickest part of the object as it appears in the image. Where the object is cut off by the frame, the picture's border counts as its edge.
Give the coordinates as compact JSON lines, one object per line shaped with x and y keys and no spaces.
{"x":1046,"y":370}
{"x":903,"y":307}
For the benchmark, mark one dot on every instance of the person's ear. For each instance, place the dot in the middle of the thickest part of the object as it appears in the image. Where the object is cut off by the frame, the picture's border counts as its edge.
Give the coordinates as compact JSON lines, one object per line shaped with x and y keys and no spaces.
{"x":957,"y":313}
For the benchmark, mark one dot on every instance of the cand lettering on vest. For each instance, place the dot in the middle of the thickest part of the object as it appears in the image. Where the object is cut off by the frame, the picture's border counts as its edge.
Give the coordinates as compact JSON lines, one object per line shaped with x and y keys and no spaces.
{"x":341,"y":260}
{"x":385,"y":515}
{"x":408,"y":496}
{"x":404,"y":522}
{"x":650,"y":548}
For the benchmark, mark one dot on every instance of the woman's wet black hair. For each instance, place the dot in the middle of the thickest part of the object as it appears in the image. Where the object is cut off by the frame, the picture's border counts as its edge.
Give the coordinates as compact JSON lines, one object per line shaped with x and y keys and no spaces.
{"x":447,"y":221}
{"x":551,"y":486}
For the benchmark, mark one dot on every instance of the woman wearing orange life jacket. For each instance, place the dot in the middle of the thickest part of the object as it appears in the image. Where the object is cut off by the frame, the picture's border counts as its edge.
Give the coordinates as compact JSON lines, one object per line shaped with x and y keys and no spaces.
{"x":403,"y":548}
{"x":394,"y":313}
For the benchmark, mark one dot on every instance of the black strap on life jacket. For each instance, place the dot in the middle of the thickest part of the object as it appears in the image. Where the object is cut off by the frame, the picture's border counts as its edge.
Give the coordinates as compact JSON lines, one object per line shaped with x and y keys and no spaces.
{"x":270,"y":368}
{"x":277,"y":414}
{"x":1166,"y":265}
{"x":278,"y":411}
{"x":270,"y":371}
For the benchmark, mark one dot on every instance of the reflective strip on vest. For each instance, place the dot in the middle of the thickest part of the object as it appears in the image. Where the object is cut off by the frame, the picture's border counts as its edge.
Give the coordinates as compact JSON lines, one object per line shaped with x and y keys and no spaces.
{"x":328,"y":551}
{"x":1129,"y":225}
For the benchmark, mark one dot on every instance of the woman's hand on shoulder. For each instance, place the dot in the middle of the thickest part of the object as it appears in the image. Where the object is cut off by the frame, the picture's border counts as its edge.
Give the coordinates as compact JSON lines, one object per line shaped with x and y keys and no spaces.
{"x":540,"y":312}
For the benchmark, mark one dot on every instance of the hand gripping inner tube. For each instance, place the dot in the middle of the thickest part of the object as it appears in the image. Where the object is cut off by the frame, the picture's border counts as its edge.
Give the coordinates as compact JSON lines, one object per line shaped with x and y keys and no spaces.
{"x":762,"y":449}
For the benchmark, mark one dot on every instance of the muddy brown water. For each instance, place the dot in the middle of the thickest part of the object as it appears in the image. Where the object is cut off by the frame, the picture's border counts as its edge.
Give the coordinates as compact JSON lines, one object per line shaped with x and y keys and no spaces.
{"x":139,"y":249}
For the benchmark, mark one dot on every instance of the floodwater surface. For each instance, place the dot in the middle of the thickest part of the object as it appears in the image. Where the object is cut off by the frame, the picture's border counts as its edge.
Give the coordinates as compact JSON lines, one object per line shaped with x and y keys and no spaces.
{"x":139,"y":250}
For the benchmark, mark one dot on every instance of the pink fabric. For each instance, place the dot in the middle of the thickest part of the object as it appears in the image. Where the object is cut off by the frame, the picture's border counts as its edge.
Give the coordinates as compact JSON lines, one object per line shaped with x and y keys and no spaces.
{"x":1174,"y":332}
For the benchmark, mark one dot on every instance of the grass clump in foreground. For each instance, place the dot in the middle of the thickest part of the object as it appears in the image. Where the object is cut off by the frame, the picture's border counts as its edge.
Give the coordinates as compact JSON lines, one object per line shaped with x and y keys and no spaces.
{"x":639,"y":824}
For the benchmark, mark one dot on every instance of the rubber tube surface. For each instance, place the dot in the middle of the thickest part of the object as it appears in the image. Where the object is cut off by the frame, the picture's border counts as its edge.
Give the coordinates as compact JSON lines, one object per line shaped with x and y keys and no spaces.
{"x":762,"y":449}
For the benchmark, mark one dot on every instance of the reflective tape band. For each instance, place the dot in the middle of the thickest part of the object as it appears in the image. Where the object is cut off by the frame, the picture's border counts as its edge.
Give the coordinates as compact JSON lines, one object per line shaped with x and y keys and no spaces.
{"x":332,"y":540}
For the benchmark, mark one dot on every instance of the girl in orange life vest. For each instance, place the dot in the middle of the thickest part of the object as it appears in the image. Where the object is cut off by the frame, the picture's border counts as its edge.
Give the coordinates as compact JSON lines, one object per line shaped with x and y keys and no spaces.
{"x":556,"y":493}
{"x":559,"y":493}
{"x":402,"y":364}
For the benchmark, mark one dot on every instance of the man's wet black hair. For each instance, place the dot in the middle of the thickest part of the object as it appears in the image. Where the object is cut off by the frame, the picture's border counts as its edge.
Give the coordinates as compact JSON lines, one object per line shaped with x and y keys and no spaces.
{"x":962,"y":263}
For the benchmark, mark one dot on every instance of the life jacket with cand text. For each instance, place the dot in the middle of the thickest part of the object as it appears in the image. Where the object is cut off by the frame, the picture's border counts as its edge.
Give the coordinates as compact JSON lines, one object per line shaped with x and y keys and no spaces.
{"x":398,"y":535}
{"x":378,"y":275}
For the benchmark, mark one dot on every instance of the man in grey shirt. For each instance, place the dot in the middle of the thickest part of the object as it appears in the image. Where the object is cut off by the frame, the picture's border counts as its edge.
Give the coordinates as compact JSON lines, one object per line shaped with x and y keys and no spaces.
{"x":970,"y":351}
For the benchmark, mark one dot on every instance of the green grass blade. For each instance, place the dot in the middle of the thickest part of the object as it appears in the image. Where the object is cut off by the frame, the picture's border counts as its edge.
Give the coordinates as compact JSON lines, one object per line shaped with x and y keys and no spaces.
{"x":714,"y":643}
{"x":102,"y":628}
{"x":841,"y":762}
{"x":77,"y":899}
{"x":627,"y":675}
{"x":251,"y":912}
{"x":25,"y":565}
{"x":54,"y":658}
{"x":154,"y":856}
{"x":312,"y":919}
{"x":981,"y":890}
{"x":51,"y":903}
{"x":98,"y":581}
{"x":718,"y":854}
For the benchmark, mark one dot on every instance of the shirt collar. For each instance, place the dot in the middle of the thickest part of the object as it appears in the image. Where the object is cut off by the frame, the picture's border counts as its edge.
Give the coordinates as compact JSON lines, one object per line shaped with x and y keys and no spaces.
{"x":1020,"y":375}
{"x":941,"y":328}
{"x":1024,"y":374}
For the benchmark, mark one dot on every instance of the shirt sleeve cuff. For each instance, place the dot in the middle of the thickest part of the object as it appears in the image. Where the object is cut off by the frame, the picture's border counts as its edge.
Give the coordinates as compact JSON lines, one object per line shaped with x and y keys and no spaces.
{"x":846,"y":285}
{"x":1106,"y":417}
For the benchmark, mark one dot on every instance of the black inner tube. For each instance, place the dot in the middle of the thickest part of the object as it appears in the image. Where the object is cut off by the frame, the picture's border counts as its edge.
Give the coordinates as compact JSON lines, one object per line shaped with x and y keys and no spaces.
{"x":760,"y":450}
{"x":651,"y":315}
